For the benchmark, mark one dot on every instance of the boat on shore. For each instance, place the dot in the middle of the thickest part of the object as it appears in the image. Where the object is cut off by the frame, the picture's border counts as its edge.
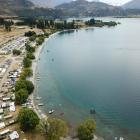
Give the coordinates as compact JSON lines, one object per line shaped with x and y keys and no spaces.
{"x":38,"y":98}
{"x":40,"y":104}
{"x":51,"y":111}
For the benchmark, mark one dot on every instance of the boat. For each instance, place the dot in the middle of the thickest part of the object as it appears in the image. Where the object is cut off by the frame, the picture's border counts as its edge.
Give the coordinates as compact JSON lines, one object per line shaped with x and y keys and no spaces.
{"x":51,"y":111}
{"x":40,"y":104}
{"x":38,"y":98}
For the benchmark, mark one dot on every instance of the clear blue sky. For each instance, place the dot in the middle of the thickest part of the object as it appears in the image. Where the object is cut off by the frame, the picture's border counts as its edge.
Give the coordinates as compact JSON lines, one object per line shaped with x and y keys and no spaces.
{"x":115,"y":2}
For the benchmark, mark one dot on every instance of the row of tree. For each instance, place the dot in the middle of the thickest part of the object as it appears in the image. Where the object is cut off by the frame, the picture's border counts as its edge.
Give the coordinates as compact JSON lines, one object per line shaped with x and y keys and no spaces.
{"x":54,"y":129}
{"x":7,"y":24}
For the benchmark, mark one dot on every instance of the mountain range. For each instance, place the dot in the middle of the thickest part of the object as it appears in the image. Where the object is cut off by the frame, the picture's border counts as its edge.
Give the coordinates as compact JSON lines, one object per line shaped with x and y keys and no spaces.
{"x":134,"y":4}
{"x":86,"y":8}
{"x":68,"y":9}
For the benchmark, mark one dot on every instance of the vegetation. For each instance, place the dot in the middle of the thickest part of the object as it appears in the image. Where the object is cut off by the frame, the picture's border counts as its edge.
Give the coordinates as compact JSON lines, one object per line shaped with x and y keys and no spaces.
{"x":90,"y":22}
{"x":40,"y":40}
{"x":27,"y":62}
{"x":30,"y":33}
{"x":21,"y":96}
{"x":29,"y":48}
{"x":28,"y":119}
{"x":16,"y":52}
{"x":27,"y":72}
{"x":24,"y":84}
{"x":20,"y":84}
{"x":86,"y":130}
{"x":30,"y":86}
{"x":55,"y":128}
{"x":32,"y":38}
{"x":30,"y":55}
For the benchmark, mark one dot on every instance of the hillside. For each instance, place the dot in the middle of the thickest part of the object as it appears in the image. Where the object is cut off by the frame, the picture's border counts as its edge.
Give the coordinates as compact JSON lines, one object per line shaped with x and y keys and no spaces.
{"x":49,"y":3}
{"x":134,"y":4}
{"x":85,"y":8}
{"x":10,"y":6}
{"x":27,"y":9}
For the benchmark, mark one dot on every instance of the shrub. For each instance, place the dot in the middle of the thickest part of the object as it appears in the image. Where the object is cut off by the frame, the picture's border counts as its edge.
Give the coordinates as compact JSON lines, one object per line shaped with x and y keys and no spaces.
{"x":86,"y":130}
{"x":28,"y":119}
{"x":21,"y":96}
{"x":16,"y":52}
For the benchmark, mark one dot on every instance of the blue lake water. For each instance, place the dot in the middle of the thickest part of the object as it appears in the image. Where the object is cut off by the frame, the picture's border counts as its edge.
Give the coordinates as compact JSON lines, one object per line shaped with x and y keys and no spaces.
{"x":94,"y":68}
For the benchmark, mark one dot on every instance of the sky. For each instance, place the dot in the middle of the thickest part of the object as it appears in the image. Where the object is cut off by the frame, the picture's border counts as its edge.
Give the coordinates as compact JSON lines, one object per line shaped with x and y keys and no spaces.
{"x":115,"y":2}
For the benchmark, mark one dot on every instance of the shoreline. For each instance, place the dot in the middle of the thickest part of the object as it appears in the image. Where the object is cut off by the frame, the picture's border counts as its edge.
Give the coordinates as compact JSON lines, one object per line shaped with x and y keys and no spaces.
{"x":34,"y":67}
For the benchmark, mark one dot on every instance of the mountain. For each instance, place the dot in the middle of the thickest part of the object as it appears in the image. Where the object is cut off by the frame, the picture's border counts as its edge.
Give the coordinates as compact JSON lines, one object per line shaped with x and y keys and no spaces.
{"x":10,"y":6}
{"x":49,"y":3}
{"x":134,"y":4}
{"x":25,"y":8}
{"x":86,"y":8}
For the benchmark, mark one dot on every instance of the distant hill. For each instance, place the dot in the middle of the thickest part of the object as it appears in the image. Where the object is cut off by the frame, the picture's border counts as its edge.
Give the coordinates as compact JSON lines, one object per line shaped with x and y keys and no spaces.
{"x":85,"y":8}
{"x":134,"y":4}
{"x":49,"y":3}
{"x":27,"y":9}
{"x":10,"y":6}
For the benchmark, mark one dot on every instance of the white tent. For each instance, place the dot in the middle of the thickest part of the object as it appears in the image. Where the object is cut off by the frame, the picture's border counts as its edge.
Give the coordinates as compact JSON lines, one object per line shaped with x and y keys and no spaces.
{"x":14,"y":135}
{"x":2,"y":125}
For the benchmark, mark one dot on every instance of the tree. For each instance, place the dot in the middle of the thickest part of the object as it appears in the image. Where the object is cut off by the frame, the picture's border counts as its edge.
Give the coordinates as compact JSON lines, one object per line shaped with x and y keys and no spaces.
{"x":27,"y":62}
{"x":55,"y":129}
{"x":30,"y":86}
{"x":29,"y":48}
{"x":28,"y":119}
{"x":40,"y":40}
{"x":27,"y":72}
{"x":24,"y":84}
{"x":16,"y":52}
{"x":21,"y":96}
{"x":21,"y":84}
{"x":30,"y":55}
{"x":86,"y":130}
{"x":32,"y":38}
{"x":30,"y":33}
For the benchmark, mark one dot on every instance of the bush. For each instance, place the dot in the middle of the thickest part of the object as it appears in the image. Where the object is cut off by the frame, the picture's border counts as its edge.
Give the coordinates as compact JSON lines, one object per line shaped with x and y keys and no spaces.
{"x":27,"y":72}
{"x":30,"y":33}
{"x":40,"y":40}
{"x":30,"y":56}
{"x":16,"y":52}
{"x":21,"y":96}
{"x":55,"y":129}
{"x":21,"y":84}
{"x":29,"y":48}
{"x":24,"y":84}
{"x":28,"y":119}
{"x":30,"y":86}
{"x":86,"y":130}
{"x":27,"y":62}
{"x":32,"y":38}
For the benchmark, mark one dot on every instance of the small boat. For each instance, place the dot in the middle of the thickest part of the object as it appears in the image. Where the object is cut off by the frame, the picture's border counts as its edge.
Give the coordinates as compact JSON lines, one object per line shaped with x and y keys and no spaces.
{"x":40,"y":104}
{"x":51,"y":111}
{"x":38,"y":98}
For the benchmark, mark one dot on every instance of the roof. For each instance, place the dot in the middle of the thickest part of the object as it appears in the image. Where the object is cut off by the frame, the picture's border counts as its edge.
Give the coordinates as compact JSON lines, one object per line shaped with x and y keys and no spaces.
{"x":14,"y":135}
{"x":2,"y":125}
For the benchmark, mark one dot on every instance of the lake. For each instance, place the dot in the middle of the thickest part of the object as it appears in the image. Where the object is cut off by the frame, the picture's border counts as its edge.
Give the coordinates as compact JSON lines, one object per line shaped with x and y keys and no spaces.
{"x":97,"y":68}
